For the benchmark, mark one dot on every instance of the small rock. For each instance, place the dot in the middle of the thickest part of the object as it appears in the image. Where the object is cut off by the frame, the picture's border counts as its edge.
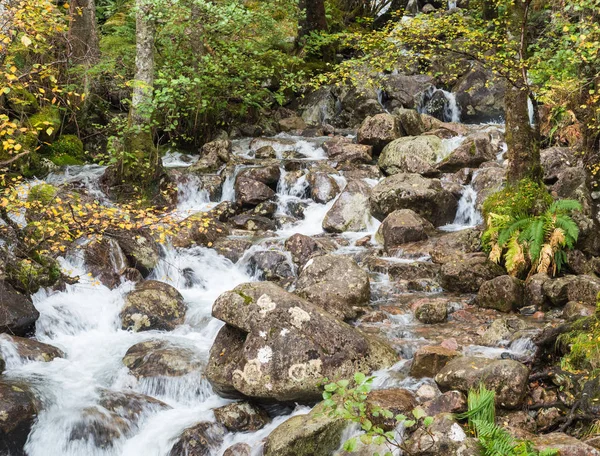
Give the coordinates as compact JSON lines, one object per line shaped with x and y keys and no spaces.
{"x":574,"y":310}
{"x":449,"y":402}
{"x":430,"y":359}
{"x":161,"y":358}
{"x":239,"y":449}
{"x":431,"y":311}
{"x":403,"y":226}
{"x":396,"y":400}
{"x":468,"y":274}
{"x":203,"y":439}
{"x":350,"y":212}
{"x":323,"y":187}
{"x":504,"y":293}
{"x":241,"y":417}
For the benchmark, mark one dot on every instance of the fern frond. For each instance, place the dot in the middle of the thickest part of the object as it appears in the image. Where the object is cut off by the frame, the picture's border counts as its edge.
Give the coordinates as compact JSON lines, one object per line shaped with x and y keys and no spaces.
{"x":566,"y":223}
{"x":546,"y":258}
{"x":515,"y":256}
{"x":496,"y":253}
{"x":564,"y":206}
{"x":536,"y":239}
{"x":509,"y":231}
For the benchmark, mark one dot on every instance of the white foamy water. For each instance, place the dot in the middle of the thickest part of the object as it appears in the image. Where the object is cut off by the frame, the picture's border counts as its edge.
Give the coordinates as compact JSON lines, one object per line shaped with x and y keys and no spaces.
{"x":174,"y":159}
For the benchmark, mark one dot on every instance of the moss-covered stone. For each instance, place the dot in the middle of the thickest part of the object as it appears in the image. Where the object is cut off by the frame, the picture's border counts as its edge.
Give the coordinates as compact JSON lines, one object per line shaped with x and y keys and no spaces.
{"x":527,"y":197}
{"x":43,"y":193}
{"x":29,"y":276}
{"x":47,"y":122}
{"x":22,"y":102}
{"x":67,"y":150}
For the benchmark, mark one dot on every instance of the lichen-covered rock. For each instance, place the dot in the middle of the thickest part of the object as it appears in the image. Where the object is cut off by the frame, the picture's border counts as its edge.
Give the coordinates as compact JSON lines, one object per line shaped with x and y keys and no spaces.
{"x":443,"y":437}
{"x":411,"y":154}
{"x":270,"y":265}
{"x":487,"y":181}
{"x":201,"y":228}
{"x":505,"y":376}
{"x":18,"y":410}
{"x":350,"y":212}
{"x":554,"y":161}
{"x":232,"y":248}
{"x":268,"y":175}
{"x":426,"y":197}
{"x":403,"y":226}
{"x":153,"y":305}
{"x":314,"y":434}
{"x":431,"y":311}
{"x":533,"y":293}
{"x":378,"y":131}
{"x":454,"y":246}
{"x":474,"y":151}
{"x":411,"y":121}
{"x":17,"y":313}
{"x":277,"y":345}
{"x":502,"y":330}
{"x":335,"y":283}
{"x":342,"y":149}
{"x":581,"y":288}
{"x":466,"y":275}
{"x":253,"y":222}
{"x":504,"y":293}
{"x":323,"y":187}
{"x":430,"y":359}
{"x":242,"y":417}
{"x":202,"y":439}
{"x":565,"y":444}
{"x":396,"y":400}
{"x":449,"y":402}
{"x":31,"y":349}
{"x":406,"y":90}
{"x":251,"y":192}
{"x":303,"y":248}
{"x":140,"y":249}
{"x":161,"y":358}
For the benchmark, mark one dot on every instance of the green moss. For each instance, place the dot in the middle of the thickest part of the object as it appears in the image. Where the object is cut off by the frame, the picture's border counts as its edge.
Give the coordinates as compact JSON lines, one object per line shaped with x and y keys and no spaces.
{"x":67,"y":150}
{"x":47,"y":122}
{"x":247,"y":299}
{"x":21,"y":101}
{"x":43,"y":193}
{"x":526,"y":198}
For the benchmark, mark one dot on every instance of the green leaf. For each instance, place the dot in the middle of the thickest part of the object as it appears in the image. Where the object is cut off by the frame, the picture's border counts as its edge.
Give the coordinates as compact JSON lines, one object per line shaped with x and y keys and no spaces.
{"x":350,"y":445}
{"x":331,"y":387}
{"x":343,"y":383}
{"x":427,"y":421}
{"x":419,"y":413}
{"x":359,"y":377}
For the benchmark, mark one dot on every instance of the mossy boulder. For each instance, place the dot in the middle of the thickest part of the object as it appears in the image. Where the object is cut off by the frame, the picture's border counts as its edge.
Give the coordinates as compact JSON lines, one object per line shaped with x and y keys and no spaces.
{"x":47,"y":122}
{"x":526,"y":197}
{"x":22,"y":102}
{"x":42,"y":193}
{"x":67,"y":150}
{"x":29,"y":276}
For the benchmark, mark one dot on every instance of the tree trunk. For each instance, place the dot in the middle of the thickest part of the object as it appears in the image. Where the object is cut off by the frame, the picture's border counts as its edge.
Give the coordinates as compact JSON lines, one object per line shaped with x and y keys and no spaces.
{"x":312,"y":18}
{"x":490,"y":10}
{"x":83,"y":36}
{"x":522,"y":136}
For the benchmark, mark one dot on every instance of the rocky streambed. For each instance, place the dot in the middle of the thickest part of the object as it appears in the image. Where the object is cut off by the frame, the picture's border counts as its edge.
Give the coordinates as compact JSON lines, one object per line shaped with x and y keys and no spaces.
{"x":324,"y":255}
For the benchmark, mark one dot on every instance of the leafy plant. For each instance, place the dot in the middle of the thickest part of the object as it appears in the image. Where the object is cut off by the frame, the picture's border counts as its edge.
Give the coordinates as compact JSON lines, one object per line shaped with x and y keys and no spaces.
{"x":495,"y":440}
{"x":350,"y":403}
{"x":529,"y":242}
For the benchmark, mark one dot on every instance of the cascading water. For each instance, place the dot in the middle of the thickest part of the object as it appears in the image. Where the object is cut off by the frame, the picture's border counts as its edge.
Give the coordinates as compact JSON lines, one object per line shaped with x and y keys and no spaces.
{"x":467,"y":214}
{"x":439,"y":103}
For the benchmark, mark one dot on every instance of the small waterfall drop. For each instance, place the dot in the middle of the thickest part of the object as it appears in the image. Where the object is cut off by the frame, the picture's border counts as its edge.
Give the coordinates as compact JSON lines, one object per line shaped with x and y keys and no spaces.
{"x":440,"y":104}
{"x":467,"y":215}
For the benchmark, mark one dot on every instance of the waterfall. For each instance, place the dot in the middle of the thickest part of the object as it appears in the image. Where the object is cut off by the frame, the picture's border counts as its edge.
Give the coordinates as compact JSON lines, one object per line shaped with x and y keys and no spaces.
{"x":467,"y":215}
{"x":439,"y":103}
{"x":451,"y":4}
{"x":530,"y":111}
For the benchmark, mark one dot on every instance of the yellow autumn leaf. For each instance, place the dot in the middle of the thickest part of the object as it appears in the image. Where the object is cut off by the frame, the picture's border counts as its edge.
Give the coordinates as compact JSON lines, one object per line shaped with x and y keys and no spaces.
{"x":26,"y":41}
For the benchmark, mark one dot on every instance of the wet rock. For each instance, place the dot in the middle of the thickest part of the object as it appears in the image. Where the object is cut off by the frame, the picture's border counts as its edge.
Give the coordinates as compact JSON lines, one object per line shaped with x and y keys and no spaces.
{"x":251,"y":192}
{"x":18,"y":410}
{"x":480,"y":96}
{"x":140,"y":249}
{"x":443,"y":436}
{"x":336,"y":283}
{"x":408,"y":271}
{"x":411,"y":154}
{"x":357,"y":102}
{"x":239,"y":449}
{"x":202,"y":439}
{"x":396,"y":400}
{"x":468,"y":274}
{"x":161,"y":358}
{"x":318,"y":106}
{"x":474,"y":151}
{"x":153,"y":305}
{"x":411,"y":121}
{"x":213,"y":155}
{"x":323,"y":187}
{"x":430,"y":359}
{"x":378,"y":131}
{"x":504,"y":293}
{"x":277,"y":345}
{"x":270,"y":265}
{"x":17,"y":313}
{"x":411,"y":191}
{"x":202,"y":228}
{"x":265,"y":153}
{"x":406,"y":91}
{"x":454,"y":246}
{"x":232,"y":248}
{"x":265,"y":209}
{"x":251,"y":222}
{"x":31,"y":349}
{"x":507,"y":377}
{"x":242,"y":417}
{"x":554,"y":161}
{"x":314,"y":434}
{"x":582,"y":288}
{"x":431,"y":311}
{"x":574,"y":310}
{"x":502,"y":330}
{"x":343,"y":149}
{"x":533,"y":293}
{"x":268,"y":175}
{"x":292,"y":124}
{"x":303,"y":248}
{"x":403,"y":226}
{"x":565,"y":444}
{"x":449,"y":402}
{"x":487,"y":181}
{"x":105,"y":260}
{"x":350,"y":212}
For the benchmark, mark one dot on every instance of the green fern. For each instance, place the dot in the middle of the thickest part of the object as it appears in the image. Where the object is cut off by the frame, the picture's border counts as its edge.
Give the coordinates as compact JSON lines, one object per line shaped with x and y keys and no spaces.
{"x":564,"y":206}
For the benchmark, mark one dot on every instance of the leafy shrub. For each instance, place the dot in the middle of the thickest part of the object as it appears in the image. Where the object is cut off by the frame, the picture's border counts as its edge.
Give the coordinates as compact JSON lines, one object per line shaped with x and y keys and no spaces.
{"x":526,"y":198}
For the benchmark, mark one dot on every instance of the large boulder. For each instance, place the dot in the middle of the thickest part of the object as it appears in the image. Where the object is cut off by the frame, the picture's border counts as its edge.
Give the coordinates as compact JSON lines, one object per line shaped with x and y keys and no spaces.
{"x":426,"y":197}
{"x":504,"y":293}
{"x":404,"y":91}
{"x":342,"y":149}
{"x":17,"y":313}
{"x":430,"y":359}
{"x":466,"y":275}
{"x":572,"y":184}
{"x":508,"y":378}
{"x":250,"y":192}
{"x":140,"y":249}
{"x":403,"y":226}
{"x":452,"y":246}
{"x":157,"y":358}
{"x":554,"y":161}
{"x":431,"y":311}
{"x":350,"y":212}
{"x":213,"y":155}
{"x":411,"y":121}
{"x":378,"y":131}
{"x":443,"y":437}
{"x":202,"y":439}
{"x":18,"y":412}
{"x":270,"y":265}
{"x":105,"y":260}
{"x":277,"y":345}
{"x":474,"y":151}
{"x":201,"y":228}
{"x":318,"y":107}
{"x":396,"y":400}
{"x":314,"y":434}
{"x":31,"y":349}
{"x":303,"y":248}
{"x":153,"y":305}
{"x":480,"y":96}
{"x":242,"y":417}
{"x":335,"y":283}
{"x":487,"y":181}
{"x":323,"y":187}
{"x":268,"y":175}
{"x":566,"y":445}
{"x":411,"y":154}
{"x":582,"y":288}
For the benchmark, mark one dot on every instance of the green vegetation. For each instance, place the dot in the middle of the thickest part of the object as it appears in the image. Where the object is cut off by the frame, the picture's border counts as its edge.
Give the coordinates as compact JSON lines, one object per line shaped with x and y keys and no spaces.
{"x":67,"y":150}
{"x":527,"y":231}
{"x":582,"y":345}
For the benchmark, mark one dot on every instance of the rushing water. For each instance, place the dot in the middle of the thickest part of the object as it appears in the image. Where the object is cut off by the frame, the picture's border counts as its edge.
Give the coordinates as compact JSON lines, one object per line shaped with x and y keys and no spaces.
{"x":83,"y":321}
